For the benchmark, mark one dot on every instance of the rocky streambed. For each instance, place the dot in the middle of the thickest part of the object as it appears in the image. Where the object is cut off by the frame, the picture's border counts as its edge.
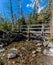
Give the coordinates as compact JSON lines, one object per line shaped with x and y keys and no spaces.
{"x":28,"y":53}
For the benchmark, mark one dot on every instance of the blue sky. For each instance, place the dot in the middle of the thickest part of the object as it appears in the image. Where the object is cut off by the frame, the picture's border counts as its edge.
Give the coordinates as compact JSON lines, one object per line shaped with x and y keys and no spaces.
{"x":27,"y":7}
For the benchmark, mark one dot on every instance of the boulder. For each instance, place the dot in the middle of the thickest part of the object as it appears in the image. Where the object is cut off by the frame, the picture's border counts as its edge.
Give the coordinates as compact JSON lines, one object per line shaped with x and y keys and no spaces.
{"x":33,"y":52}
{"x":11,"y":55}
{"x":2,"y":49}
{"x":50,"y":44}
{"x":51,"y":52}
{"x":45,"y":43}
{"x":1,"y":45}
{"x":13,"y":49}
{"x":48,"y":52}
{"x":45,"y":52}
{"x":33,"y":55}
{"x":23,"y":48}
{"x":39,"y":44}
{"x":38,"y":49}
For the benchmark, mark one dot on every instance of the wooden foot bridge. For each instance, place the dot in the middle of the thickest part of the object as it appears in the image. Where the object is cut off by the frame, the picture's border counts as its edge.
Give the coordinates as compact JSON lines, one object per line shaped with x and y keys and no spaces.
{"x":25,"y":33}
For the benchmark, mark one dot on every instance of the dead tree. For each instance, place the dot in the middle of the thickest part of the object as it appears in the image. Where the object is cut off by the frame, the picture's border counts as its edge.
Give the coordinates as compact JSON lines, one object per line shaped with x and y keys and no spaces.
{"x":11,"y":12}
{"x":21,"y":13}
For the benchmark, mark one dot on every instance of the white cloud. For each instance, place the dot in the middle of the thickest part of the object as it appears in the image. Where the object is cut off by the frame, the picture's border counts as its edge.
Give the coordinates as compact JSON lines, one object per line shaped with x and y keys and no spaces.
{"x":32,"y":5}
{"x":28,"y":5}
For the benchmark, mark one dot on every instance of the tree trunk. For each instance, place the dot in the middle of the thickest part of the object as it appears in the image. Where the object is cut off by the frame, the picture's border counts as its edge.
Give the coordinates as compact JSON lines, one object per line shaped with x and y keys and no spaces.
{"x":51,"y":25}
{"x":11,"y":11}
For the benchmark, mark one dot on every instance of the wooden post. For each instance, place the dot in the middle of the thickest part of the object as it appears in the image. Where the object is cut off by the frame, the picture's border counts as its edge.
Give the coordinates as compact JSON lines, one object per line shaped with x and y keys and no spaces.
{"x":28,"y":32}
{"x":19,"y":28}
{"x":42,"y":30}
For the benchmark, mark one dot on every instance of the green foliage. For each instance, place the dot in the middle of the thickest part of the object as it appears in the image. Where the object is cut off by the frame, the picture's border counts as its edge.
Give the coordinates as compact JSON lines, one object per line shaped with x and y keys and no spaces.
{"x":32,"y":19}
{"x":46,"y":13}
{"x":21,"y":21}
{"x":43,"y":16}
{"x":5,"y":26}
{"x":40,"y":19}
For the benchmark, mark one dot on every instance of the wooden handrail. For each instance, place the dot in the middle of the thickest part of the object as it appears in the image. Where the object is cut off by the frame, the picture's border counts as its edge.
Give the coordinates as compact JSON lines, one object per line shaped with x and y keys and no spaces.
{"x":35,"y":28}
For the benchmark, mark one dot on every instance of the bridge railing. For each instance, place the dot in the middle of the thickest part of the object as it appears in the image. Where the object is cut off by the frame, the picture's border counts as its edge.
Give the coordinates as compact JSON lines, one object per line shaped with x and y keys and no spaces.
{"x":34,"y":28}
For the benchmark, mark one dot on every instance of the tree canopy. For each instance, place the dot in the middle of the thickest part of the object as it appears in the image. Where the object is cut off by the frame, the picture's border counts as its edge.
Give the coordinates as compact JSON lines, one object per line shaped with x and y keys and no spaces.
{"x":33,"y":18}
